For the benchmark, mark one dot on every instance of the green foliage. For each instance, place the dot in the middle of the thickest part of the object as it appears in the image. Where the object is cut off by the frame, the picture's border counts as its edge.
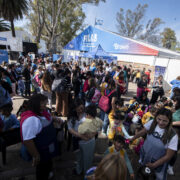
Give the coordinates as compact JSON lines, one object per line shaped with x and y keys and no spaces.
{"x":4,"y":26}
{"x":130,"y":24}
{"x":56,"y":21}
{"x":19,"y":28}
{"x":12,"y":10}
{"x":169,"y":38}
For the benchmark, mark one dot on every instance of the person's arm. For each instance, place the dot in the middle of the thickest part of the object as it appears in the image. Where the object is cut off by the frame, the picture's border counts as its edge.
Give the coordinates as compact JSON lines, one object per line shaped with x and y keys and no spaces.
{"x":169,"y":154}
{"x":113,"y":103}
{"x":176,"y":123}
{"x":75,"y":133}
{"x":139,"y":134}
{"x":126,"y":135}
{"x":128,"y":164}
{"x":33,"y":151}
{"x":16,"y":123}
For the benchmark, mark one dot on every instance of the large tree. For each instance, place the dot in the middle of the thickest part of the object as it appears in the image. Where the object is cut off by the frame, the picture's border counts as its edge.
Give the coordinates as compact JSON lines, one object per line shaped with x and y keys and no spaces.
{"x":4,"y":26}
{"x":56,"y":21}
{"x":12,"y":10}
{"x":169,"y":38}
{"x":130,"y":23}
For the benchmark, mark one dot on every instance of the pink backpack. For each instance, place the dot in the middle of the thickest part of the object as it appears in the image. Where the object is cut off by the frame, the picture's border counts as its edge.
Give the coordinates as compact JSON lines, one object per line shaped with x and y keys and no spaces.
{"x":104,"y":101}
{"x":96,"y":96}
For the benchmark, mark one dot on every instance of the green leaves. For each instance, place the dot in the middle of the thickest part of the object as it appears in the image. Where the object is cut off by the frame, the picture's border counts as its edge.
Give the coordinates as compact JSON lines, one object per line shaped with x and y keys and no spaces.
{"x":57,"y":21}
{"x":130,"y":24}
{"x":169,"y":38}
{"x":13,"y":9}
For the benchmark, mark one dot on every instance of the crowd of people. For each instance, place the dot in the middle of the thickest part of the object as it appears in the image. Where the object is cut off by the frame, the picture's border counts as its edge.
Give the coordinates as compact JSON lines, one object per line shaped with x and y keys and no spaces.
{"x":90,"y":96}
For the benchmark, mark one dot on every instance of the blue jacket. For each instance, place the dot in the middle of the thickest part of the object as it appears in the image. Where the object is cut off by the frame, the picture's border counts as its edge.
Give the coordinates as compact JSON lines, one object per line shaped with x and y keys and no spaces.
{"x":9,"y":122}
{"x":4,"y":97}
{"x":175,"y":83}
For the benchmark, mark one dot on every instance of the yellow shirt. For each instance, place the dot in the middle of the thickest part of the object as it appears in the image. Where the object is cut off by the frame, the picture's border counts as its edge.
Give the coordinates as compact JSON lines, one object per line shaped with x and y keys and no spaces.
{"x":103,"y":87}
{"x":146,"y":117}
{"x":138,"y":75}
{"x":112,"y":150}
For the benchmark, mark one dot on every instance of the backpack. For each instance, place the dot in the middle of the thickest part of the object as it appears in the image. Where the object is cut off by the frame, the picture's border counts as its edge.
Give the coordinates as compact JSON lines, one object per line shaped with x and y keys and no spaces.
{"x":36,"y":81}
{"x":96,"y":96}
{"x":58,"y":85}
{"x":104,"y":102}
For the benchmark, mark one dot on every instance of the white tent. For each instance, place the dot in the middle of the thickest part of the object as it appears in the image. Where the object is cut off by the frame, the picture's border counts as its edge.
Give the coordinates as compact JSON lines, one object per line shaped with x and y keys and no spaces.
{"x":127,"y":49}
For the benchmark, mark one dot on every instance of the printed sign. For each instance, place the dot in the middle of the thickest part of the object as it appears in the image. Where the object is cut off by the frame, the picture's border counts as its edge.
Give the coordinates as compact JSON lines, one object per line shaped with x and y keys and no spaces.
{"x":159,"y":70}
{"x":3,"y":56}
{"x":111,"y":43}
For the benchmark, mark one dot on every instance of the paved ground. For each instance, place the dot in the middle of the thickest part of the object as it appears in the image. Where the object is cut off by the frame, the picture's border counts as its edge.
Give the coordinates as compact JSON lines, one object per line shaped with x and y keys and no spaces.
{"x":17,"y":168}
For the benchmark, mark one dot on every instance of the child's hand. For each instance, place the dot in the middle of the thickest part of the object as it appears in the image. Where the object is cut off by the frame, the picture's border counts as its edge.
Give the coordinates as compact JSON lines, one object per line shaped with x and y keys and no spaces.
{"x":132,"y":176}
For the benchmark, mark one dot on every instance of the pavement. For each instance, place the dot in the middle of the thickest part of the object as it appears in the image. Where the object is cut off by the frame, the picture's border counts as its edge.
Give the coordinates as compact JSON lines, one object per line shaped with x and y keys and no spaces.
{"x":17,"y":169}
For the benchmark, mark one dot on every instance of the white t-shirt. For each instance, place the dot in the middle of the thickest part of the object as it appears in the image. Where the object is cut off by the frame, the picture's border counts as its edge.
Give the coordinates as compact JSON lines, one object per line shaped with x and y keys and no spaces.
{"x":108,"y":69}
{"x":172,"y":144}
{"x":36,"y":127}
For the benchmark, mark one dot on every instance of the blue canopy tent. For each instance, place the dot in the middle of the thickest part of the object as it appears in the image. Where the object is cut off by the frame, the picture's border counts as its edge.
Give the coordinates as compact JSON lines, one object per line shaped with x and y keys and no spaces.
{"x":99,"y":53}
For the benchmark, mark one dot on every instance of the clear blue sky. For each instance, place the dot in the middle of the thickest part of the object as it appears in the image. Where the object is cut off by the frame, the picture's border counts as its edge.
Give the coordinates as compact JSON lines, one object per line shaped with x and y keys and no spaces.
{"x":167,"y":10}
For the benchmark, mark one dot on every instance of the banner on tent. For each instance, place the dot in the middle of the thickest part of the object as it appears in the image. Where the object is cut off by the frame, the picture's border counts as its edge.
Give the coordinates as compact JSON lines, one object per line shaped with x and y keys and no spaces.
{"x":3,"y":56}
{"x":159,"y":70}
{"x":111,"y":42}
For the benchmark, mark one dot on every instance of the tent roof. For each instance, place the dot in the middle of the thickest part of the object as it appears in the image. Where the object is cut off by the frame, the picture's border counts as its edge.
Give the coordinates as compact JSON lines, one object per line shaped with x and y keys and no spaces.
{"x":116,"y":44}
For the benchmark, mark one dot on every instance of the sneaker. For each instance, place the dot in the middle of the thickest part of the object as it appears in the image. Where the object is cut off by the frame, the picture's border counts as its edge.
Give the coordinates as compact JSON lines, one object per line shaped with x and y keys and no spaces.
{"x":170,"y":170}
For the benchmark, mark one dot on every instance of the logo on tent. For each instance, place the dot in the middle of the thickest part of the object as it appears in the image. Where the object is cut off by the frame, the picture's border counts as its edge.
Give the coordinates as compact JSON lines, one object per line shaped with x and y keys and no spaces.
{"x":90,"y":38}
{"x":118,"y":46}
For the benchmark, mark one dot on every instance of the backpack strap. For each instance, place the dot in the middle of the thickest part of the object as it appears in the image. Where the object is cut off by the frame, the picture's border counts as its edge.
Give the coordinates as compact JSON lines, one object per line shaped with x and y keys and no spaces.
{"x":111,"y":92}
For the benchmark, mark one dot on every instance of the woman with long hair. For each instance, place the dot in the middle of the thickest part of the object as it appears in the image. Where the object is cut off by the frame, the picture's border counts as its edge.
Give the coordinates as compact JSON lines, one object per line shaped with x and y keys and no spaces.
{"x":46,"y":83}
{"x":92,"y":86}
{"x":84,"y":142}
{"x":158,"y":90}
{"x":38,"y":136}
{"x":160,"y":144}
{"x":111,"y":92}
{"x":141,"y":86}
{"x":121,"y":86}
{"x":176,"y":126}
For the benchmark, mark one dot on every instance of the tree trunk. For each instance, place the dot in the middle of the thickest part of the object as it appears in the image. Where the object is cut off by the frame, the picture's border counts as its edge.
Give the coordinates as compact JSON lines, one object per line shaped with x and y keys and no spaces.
{"x":38,"y":37}
{"x":52,"y":45}
{"x":12,"y":28}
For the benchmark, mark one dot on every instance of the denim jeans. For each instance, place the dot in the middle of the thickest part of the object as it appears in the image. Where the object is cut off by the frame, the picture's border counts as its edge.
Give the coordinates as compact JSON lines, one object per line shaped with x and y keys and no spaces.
{"x":105,"y":121}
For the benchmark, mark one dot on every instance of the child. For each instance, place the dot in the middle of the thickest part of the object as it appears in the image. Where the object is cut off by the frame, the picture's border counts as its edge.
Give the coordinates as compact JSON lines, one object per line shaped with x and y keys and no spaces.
{"x":136,"y":144}
{"x":117,"y":147}
{"x":104,"y":84}
{"x":119,"y":105}
{"x":9,"y":120}
{"x":117,"y":126}
{"x":133,"y":105}
{"x":91,"y":124}
{"x":149,"y":115}
{"x":21,"y":86}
